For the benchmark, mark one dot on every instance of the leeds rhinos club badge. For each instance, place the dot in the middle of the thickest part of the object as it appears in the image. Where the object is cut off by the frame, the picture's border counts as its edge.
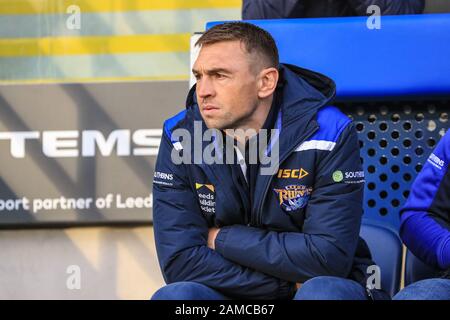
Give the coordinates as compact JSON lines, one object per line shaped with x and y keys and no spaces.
{"x":293,"y":197}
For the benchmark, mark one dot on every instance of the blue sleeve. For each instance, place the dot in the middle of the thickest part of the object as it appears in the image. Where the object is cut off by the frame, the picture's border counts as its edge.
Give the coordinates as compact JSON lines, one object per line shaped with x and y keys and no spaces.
{"x":425,"y":217}
{"x":388,"y":7}
{"x":181,"y":233}
{"x":328,"y":241}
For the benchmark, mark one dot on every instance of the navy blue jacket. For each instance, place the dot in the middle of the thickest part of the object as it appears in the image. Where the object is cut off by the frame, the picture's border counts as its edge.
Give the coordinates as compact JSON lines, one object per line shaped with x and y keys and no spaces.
{"x":425,"y":218}
{"x":302,"y":222}
{"x":281,"y":9}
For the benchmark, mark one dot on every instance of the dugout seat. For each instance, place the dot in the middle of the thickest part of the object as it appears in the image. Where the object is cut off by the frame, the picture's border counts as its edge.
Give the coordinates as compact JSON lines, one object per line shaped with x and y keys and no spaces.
{"x":386,"y":248}
{"x":416,"y":270}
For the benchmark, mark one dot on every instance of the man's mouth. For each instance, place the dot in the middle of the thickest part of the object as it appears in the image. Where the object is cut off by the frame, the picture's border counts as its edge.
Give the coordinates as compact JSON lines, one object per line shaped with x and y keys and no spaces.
{"x":209,"y":108}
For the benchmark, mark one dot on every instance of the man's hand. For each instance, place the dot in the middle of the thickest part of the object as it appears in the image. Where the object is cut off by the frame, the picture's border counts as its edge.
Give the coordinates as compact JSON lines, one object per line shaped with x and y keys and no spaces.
{"x":212,"y":234}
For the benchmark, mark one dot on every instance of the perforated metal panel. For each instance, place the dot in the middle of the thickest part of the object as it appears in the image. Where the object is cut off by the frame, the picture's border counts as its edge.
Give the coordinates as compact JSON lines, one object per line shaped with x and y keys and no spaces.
{"x":396,"y":140}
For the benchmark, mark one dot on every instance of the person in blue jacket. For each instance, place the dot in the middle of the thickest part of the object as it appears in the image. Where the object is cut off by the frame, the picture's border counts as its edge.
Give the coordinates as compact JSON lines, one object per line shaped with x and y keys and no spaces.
{"x":283,"y":9}
{"x":241,"y":228}
{"x":425,"y":224}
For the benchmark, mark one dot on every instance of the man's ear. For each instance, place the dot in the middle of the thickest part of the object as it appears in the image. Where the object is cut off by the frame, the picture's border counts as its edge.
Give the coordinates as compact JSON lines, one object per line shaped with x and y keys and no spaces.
{"x":268,"y":79}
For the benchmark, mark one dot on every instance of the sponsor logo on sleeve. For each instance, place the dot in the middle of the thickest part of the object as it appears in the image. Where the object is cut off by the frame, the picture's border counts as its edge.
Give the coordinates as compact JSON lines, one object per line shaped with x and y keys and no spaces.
{"x":206,"y":198}
{"x":163,"y":178}
{"x":436,"y":161}
{"x":338,"y":176}
{"x":348,"y":176}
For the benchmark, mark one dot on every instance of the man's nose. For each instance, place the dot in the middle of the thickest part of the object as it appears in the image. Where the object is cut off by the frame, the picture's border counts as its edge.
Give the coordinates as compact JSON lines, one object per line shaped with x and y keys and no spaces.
{"x":205,"y":88}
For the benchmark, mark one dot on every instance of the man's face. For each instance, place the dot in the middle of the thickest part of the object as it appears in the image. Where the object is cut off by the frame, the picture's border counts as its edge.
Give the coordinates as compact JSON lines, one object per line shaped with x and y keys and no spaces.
{"x":227,"y":89}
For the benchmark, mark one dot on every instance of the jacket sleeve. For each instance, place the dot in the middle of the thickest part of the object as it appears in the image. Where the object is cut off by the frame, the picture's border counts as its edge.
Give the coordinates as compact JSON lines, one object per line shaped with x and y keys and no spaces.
{"x":272,"y":9}
{"x":284,"y":9}
{"x":330,"y":232}
{"x":425,"y":218}
{"x":388,"y":7}
{"x":181,"y":233}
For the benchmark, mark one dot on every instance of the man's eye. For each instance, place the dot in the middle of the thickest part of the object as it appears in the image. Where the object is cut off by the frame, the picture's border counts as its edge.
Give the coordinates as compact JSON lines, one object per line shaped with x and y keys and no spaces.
{"x":220,"y":76}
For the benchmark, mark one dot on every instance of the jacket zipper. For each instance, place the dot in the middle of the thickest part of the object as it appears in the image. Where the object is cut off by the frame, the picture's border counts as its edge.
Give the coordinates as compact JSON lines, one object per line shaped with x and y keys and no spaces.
{"x":266,"y":187}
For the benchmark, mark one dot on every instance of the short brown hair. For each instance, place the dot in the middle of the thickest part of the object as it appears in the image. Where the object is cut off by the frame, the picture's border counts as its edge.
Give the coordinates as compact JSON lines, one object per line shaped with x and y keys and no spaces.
{"x":254,"y":38}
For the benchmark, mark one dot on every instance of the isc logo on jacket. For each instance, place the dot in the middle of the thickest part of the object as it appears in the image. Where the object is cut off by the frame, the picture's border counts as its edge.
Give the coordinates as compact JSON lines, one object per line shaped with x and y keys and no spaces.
{"x":292,"y":173}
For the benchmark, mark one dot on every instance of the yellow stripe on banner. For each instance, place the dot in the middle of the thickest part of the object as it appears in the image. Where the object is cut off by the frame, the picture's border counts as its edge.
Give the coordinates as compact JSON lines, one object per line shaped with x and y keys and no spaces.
{"x":61,"y":6}
{"x":96,"y":79}
{"x":52,"y":46}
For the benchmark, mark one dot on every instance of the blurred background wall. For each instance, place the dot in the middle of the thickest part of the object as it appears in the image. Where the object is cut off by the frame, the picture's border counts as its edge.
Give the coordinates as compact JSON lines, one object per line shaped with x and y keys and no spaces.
{"x":118,"y":40}
{"x":73,"y":40}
